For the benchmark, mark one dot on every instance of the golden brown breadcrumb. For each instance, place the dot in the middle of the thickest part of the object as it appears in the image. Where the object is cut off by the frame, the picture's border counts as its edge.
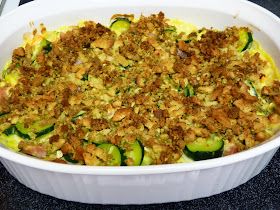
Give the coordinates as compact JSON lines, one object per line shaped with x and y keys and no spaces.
{"x":147,"y":84}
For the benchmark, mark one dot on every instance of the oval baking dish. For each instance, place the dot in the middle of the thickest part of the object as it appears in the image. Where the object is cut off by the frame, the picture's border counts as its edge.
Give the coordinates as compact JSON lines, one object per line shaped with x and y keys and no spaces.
{"x":144,"y":184}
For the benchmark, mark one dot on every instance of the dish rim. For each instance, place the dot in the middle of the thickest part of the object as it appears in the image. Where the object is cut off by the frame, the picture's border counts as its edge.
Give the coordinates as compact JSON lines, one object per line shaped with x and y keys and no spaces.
{"x":140,"y":170}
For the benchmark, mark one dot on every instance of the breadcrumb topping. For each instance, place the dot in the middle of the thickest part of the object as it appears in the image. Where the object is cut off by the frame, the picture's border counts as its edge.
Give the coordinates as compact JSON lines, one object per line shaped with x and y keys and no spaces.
{"x":150,"y":83}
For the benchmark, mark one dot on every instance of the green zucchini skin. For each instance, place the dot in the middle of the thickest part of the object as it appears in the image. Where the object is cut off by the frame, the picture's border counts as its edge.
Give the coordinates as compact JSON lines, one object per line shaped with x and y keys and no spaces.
{"x":85,"y":77}
{"x":189,"y":91}
{"x":123,"y":68}
{"x":120,"y":20}
{"x":23,"y":135}
{"x":45,"y":46}
{"x":22,"y":132}
{"x":202,"y":155}
{"x":142,"y":149}
{"x":69,"y":159}
{"x":249,"y":41}
{"x":114,"y":151}
{"x":205,"y":149}
{"x":81,"y":113}
{"x":123,"y":157}
{"x":136,"y":153}
{"x":170,"y":29}
{"x":45,"y":131}
{"x":120,"y":25}
{"x":48,"y":47}
{"x":3,"y":113}
{"x":12,"y":130}
{"x":252,"y":89}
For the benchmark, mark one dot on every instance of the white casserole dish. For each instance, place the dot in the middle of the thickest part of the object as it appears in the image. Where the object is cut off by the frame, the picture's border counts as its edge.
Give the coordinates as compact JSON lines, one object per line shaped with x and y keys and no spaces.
{"x":145,"y":184}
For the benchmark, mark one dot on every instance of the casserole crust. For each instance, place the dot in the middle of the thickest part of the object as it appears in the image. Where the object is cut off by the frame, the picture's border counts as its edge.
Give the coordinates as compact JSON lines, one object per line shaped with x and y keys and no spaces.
{"x":146,"y":94}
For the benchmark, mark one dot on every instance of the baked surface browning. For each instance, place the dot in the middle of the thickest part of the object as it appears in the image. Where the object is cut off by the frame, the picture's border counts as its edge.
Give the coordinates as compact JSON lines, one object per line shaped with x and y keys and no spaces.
{"x":150,"y":83}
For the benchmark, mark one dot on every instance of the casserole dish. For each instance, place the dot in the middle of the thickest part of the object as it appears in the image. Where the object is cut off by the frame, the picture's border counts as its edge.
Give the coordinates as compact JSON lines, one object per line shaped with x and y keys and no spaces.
{"x":140,"y":184}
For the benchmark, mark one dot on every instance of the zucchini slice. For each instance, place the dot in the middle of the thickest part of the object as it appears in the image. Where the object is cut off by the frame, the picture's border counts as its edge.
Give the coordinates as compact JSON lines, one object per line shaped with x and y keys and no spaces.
{"x":170,"y":29}
{"x":245,"y":40}
{"x":120,"y":25}
{"x":77,"y":116}
{"x":189,"y":91}
{"x":10,"y":131}
{"x":12,"y":77}
{"x":39,"y":128}
{"x":184,"y":159}
{"x":187,"y":41}
{"x":22,"y":131}
{"x":123,"y":68}
{"x":147,"y":159}
{"x":10,"y":141}
{"x":45,"y":130}
{"x":135,"y":153}
{"x":44,"y":46}
{"x":48,"y":47}
{"x":3,"y":113}
{"x":85,"y":77}
{"x":13,"y":130}
{"x":252,"y":90}
{"x":203,"y":149}
{"x":114,"y":152}
{"x":69,"y":159}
